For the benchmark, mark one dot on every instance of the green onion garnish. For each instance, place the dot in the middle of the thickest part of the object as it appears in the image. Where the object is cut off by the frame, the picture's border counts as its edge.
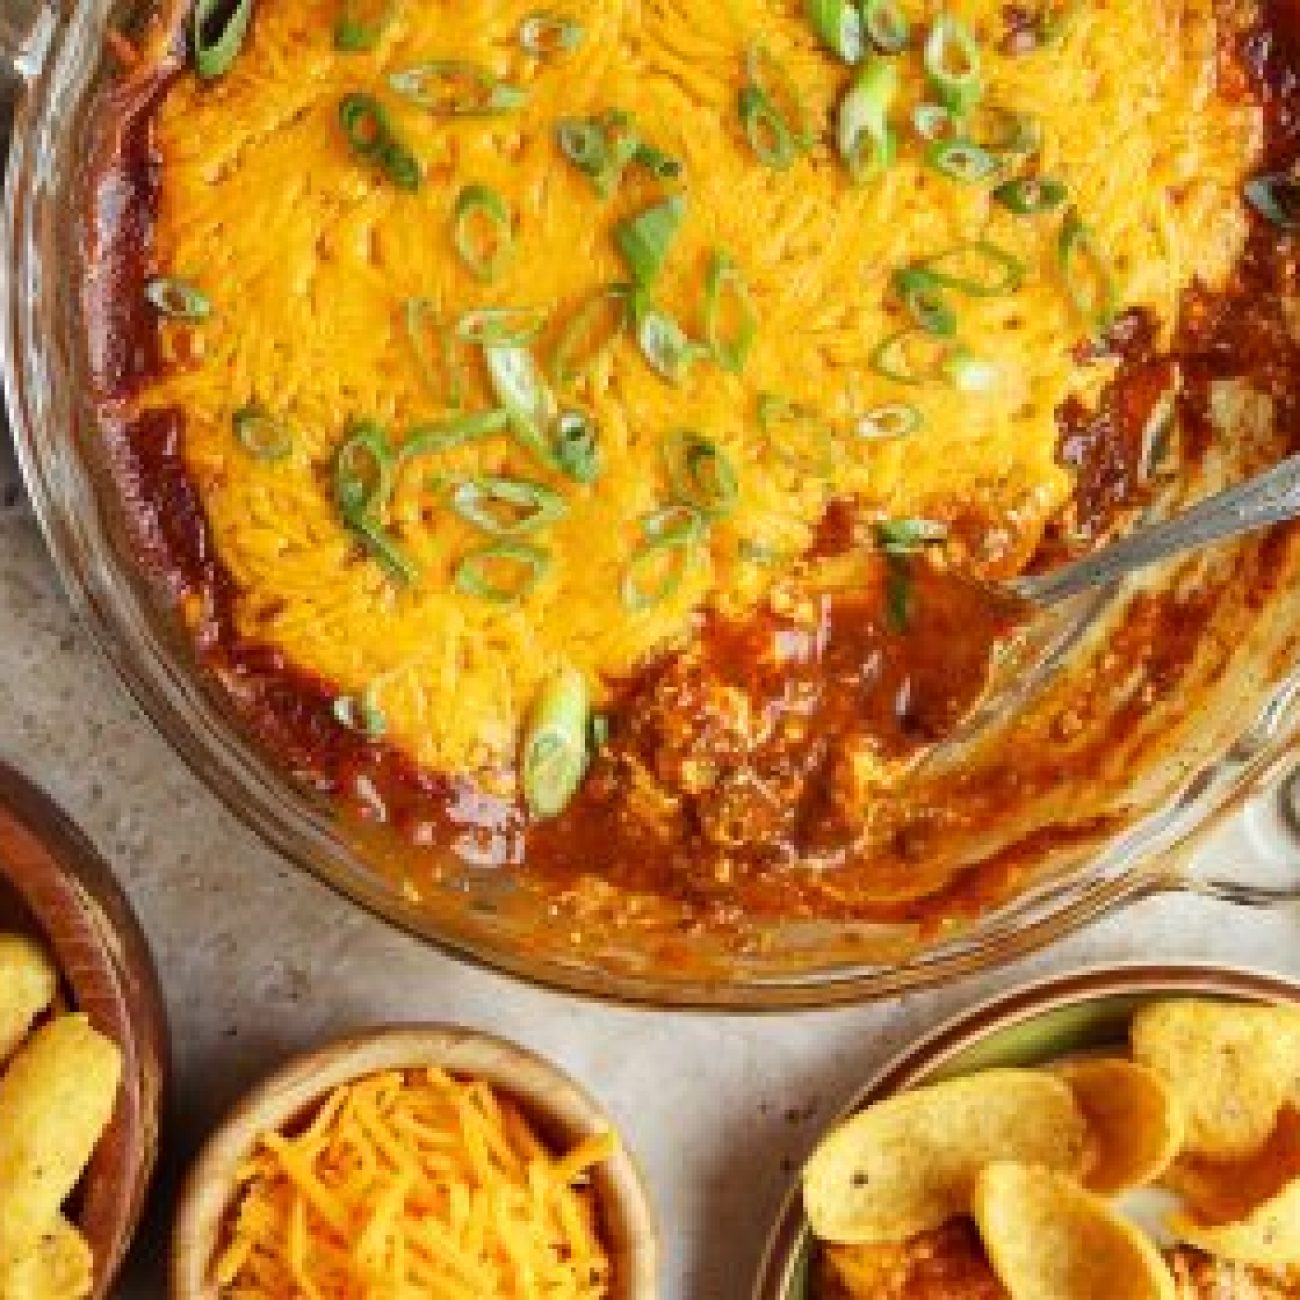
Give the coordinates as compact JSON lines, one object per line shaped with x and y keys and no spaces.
{"x":838,"y":24}
{"x":934,"y":122}
{"x":675,"y":522}
{"x":364,"y":473}
{"x":434,"y":350}
{"x":915,"y":356}
{"x":361,"y":714}
{"x":899,"y":590}
{"x":491,"y":327}
{"x":886,"y":25}
{"x":665,"y":346}
{"x":924,"y":299}
{"x":1027,"y":196}
{"x":590,"y":333}
{"x":507,"y":507}
{"x":545,"y":33}
{"x":603,"y":148}
{"x":361,"y":23}
{"x":961,"y":160}
{"x":644,"y":240}
{"x":977,"y":268}
{"x":867,"y":142}
{"x":1006,"y":130}
{"x":455,"y":88}
{"x":908,"y":536}
{"x":523,"y":392}
{"x":1089,"y":279}
{"x":725,"y":278}
{"x":434,"y":438}
{"x":483,"y":231}
{"x":952,"y":64}
{"x":261,"y":435}
{"x":178,"y":299}
{"x":371,"y":136}
{"x":701,"y":474}
{"x":772,"y":111}
{"x":504,"y":573}
{"x":554,"y":756}
{"x":217,"y":33}
{"x":576,"y":447}
{"x":655,"y":571}
{"x":798,"y":435}
{"x":1276,"y":198}
{"x":889,"y":422}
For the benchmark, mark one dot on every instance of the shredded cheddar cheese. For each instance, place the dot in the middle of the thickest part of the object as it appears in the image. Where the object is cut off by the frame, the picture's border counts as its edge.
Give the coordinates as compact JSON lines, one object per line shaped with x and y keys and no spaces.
{"x":416,"y":1184}
{"x":308,"y":258}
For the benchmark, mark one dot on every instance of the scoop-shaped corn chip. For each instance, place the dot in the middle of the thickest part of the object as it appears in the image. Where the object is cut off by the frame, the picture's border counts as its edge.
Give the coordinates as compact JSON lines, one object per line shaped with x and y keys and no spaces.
{"x":1135,"y":1122}
{"x":1049,"y":1239}
{"x":28,"y":983}
{"x":1268,"y":1236}
{"x":1231,"y":1066}
{"x":59,"y":1267}
{"x":909,"y":1163}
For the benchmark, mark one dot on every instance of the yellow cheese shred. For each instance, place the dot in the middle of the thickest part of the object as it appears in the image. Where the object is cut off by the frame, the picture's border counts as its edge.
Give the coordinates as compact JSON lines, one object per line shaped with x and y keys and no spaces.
{"x":416,"y":1184}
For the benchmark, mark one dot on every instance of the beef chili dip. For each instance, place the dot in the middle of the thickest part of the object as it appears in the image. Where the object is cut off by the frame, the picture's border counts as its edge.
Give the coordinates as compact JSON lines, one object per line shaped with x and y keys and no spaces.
{"x":577,"y":441}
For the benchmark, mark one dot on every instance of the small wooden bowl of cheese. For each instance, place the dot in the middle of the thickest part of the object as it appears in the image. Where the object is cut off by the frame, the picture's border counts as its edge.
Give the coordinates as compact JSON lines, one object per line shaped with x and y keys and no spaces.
{"x":423,"y":1160}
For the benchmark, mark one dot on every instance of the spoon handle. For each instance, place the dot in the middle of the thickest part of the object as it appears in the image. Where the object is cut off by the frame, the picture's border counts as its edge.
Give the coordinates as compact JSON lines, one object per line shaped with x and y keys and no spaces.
{"x":1269,"y":498}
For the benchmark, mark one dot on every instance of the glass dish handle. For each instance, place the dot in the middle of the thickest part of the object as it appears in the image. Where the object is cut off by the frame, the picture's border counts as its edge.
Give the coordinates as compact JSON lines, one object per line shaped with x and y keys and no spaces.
{"x":25,"y":30}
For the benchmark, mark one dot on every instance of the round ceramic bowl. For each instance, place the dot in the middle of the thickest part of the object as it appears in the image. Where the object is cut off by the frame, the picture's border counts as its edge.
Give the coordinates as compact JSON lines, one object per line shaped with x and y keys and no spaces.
{"x":1034,"y":1025}
{"x":561,"y":1111}
{"x":54,"y":886}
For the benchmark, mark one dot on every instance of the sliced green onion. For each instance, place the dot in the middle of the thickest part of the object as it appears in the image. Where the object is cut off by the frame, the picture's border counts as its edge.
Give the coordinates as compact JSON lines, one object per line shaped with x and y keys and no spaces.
{"x":1089,"y":280}
{"x":361,"y":23}
{"x":491,"y":327}
{"x":1027,"y":196}
{"x":889,"y":422}
{"x":370,"y":134}
{"x":582,"y":142}
{"x":178,"y":299}
{"x":507,"y":507}
{"x":768,"y":133}
{"x":545,"y":33}
{"x":675,"y":522}
{"x":364,"y":474}
{"x":431,"y":439}
{"x":644,"y":240}
{"x":603,"y":148}
{"x":504,"y":573}
{"x":487,"y":249}
{"x":968,"y":373}
{"x":886,"y":25}
{"x":1276,"y":198}
{"x":554,"y":756}
{"x":867,"y":142}
{"x":576,"y":447}
{"x":521,"y":389}
{"x":977,"y":268}
{"x":908,"y":536}
{"x":924,"y":299}
{"x":261,"y":435}
{"x":701,"y":474}
{"x":914,"y":356}
{"x":217,"y":33}
{"x":656,"y":570}
{"x":725,"y":278}
{"x":934,"y":122}
{"x":434,"y":350}
{"x":952,"y":64}
{"x":658,"y":163}
{"x":838,"y":24}
{"x":797,"y":435}
{"x":591,"y":332}
{"x":361,"y":714}
{"x":456,"y":88}
{"x":899,"y":592}
{"x":961,"y":160}
{"x":665,"y":346}
{"x":1006,"y":130}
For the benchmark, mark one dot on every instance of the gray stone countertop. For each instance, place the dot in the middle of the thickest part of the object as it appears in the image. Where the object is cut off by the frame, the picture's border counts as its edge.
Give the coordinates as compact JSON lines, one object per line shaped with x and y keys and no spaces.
{"x":259,"y":961}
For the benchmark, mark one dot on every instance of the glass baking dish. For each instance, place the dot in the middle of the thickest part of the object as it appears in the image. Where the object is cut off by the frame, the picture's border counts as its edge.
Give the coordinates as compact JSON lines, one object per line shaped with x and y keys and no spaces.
{"x":1191,"y":757}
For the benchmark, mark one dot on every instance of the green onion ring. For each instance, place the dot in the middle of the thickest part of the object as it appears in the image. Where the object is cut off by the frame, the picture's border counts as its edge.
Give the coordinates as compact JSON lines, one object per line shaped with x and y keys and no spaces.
{"x":889,"y":422}
{"x":473,"y":575}
{"x":520,"y":388}
{"x":934,"y":122}
{"x":1027,"y":196}
{"x":664,"y":344}
{"x":867,"y":142}
{"x":676,"y":548}
{"x":1276,"y":197}
{"x":217,"y":36}
{"x":725,"y":276}
{"x":178,"y":299}
{"x":908,"y":536}
{"x":1007,"y":130}
{"x":1081,"y":261}
{"x":924,"y":299}
{"x":491,"y":327}
{"x":576,"y":446}
{"x":886,"y":25}
{"x":701,"y":473}
{"x":364,"y":475}
{"x":952,"y":64}
{"x":645,"y":239}
{"x":554,"y":754}
{"x":540,"y":505}
{"x":788,"y":429}
{"x":944,"y":360}
{"x":440,"y":374}
{"x":260,"y":434}
{"x":456,"y":88}
{"x":472,"y":203}
{"x":545,"y":33}
{"x":961,"y":160}
{"x":1006,"y":271}
{"x":591,"y":333}
{"x":768,"y":133}
{"x":676,"y":521}
{"x":358,"y":30}
{"x":361,"y":714}
{"x":838,"y":24}
{"x":370,"y":135}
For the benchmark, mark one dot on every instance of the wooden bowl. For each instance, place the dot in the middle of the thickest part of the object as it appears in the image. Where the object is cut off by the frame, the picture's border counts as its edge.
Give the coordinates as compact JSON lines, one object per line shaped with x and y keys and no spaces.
{"x":562,"y":1113}
{"x":1029,"y":1027}
{"x":54,"y":886}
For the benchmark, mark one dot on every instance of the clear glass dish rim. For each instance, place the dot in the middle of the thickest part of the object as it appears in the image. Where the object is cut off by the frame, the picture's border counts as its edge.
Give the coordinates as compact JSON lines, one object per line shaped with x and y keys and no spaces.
{"x":111,"y":606}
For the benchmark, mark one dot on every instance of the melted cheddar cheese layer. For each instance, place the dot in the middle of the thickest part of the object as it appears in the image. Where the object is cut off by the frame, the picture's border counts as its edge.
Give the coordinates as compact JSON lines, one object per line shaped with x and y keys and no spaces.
{"x":308,"y":256}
